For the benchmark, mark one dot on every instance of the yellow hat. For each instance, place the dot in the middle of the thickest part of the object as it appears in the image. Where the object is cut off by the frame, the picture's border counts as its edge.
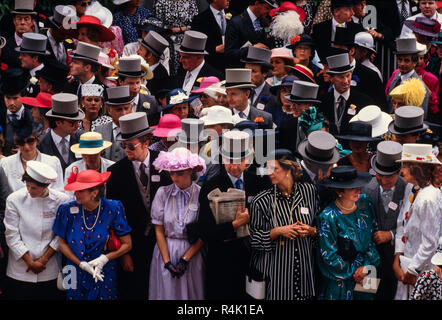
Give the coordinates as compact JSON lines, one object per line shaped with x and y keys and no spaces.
{"x":412,"y":92}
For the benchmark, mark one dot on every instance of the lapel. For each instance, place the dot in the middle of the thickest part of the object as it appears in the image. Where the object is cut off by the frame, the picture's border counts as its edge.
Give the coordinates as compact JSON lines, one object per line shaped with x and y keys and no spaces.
{"x":55,"y":151}
{"x":212,"y":21}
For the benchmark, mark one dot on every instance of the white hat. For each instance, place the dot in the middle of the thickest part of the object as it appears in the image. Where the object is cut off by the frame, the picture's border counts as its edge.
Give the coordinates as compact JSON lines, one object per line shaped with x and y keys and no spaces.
{"x":419,"y":153}
{"x":104,"y":14}
{"x":373,"y":115}
{"x":92,"y":90}
{"x":216,"y":88}
{"x":217,"y":115}
{"x":41,"y":172}
{"x":422,"y":48}
{"x":437,"y":257}
{"x":365,"y":40}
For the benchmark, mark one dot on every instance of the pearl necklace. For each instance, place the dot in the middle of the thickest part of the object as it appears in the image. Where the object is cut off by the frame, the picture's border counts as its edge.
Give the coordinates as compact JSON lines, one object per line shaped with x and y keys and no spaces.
{"x":96,"y":219}
{"x":340,"y":206}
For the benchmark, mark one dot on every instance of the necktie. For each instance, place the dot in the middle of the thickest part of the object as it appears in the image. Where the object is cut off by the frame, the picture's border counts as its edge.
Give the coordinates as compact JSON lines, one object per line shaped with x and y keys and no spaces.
{"x":238,"y":184}
{"x":13,"y":117}
{"x":242,"y":115}
{"x":223,"y":22}
{"x":341,"y":107}
{"x":257,"y":25}
{"x":64,"y":149}
{"x":143,"y":176}
{"x":252,"y":95}
{"x":186,"y":82}
{"x":386,"y":198}
{"x":404,"y":12}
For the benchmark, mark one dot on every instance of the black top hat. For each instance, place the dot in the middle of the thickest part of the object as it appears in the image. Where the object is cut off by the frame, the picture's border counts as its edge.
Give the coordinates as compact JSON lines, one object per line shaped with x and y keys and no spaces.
{"x":344,"y":36}
{"x":259,"y":56}
{"x":14,"y":80}
{"x":319,"y":147}
{"x":346,"y":177}
{"x":358,"y":131}
{"x":408,"y":119}
{"x":34,"y":43}
{"x":53,"y":71}
{"x":341,"y":3}
{"x":384,"y":161}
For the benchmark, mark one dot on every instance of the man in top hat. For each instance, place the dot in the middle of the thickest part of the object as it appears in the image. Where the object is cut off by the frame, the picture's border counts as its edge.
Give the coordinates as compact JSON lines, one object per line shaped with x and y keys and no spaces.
{"x":53,"y":77}
{"x":12,"y":87}
{"x":428,"y":9}
{"x":134,"y":181}
{"x":238,"y":87}
{"x":388,"y":192}
{"x":118,"y":103}
{"x":192,"y":135}
{"x":193,"y":65}
{"x":152,"y":48}
{"x":83,"y":67}
{"x":324,"y":32}
{"x":408,"y":124}
{"x":64,"y":121}
{"x":213,"y":23}
{"x":407,"y":58}
{"x":248,"y":27}
{"x":258,"y":60}
{"x":228,"y":261}
{"x":130,"y":74}
{"x":343,"y":102}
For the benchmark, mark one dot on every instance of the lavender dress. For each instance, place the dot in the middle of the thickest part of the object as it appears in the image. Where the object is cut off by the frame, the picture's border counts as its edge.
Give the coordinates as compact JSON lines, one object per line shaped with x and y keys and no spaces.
{"x":174,"y":208}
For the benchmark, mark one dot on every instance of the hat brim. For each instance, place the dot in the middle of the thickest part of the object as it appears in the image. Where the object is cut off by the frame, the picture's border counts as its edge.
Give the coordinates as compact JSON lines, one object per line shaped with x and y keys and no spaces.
{"x":105,"y":33}
{"x":119,"y":136}
{"x":190,"y":99}
{"x":204,"y":52}
{"x":383,"y":172}
{"x":380,"y":129}
{"x":406,"y":52}
{"x":32,"y":13}
{"x":299,"y":74}
{"x":240,"y":86}
{"x":351,"y":137}
{"x":339,"y":71}
{"x":433,"y":159}
{"x":228,"y":156}
{"x":202,"y":137}
{"x":291,"y":98}
{"x":119,"y":103}
{"x":410,"y":24}
{"x":76,"y":148}
{"x":77,"y":186}
{"x":165,"y":132}
{"x":74,"y":56}
{"x":365,"y":47}
{"x":152,"y":50}
{"x":437,"y":259}
{"x":21,"y":50}
{"x":361,"y":180}
{"x":30,"y":101}
{"x":306,"y":43}
{"x":261,"y":63}
{"x":139,"y":74}
{"x":214,"y":122}
{"x":394,"y":131}
{"x":80,"y":116}
{"x":301,"y":150}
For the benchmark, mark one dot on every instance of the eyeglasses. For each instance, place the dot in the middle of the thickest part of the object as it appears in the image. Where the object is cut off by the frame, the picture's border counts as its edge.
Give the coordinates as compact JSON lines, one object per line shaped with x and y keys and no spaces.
{"x":86,"y":3}
{"x":129,"y":146}
{"x":22,"y":142}
{"x":178,"y":173}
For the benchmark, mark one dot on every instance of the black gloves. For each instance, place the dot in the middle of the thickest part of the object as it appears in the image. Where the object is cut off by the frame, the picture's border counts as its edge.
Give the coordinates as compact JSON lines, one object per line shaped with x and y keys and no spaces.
{"x":169,"y":266}
{"x":181,"y":267}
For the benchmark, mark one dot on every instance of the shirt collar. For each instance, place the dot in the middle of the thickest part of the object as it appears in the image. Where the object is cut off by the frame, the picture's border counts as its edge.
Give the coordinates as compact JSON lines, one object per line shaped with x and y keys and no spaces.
{"x":195,"y":71}
{"x":18,"y":39}
{"x":346,"y":94}
{"x":216,"y":12}
{"x":259,"y":89}
{"x":335,"y":24}
{"x":57,"y":138}
{"x":246,"y":111}
{"x":19,"y":113}
{"x":234,"y":179}
{"x":152,"y":67}
{"x":33,"y":71}
{"x":382,"y":189}
{"x":186,"y":191}
{"x":90,"y":81}
{"x":251,"y":14}
{"x":135,"y":103}
{"x":146,"y":162}
{"x":407,"y":75}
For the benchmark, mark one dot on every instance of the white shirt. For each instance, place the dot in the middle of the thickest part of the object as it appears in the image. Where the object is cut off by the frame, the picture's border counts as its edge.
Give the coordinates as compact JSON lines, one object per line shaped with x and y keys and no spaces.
{"x":19,"y":113}
{"x":258,"y":92}
{"x":115,"y":131}
{"x":33,"y":71}
{"x":408,"y":33}
{"x":135,"y":103}
{"x":28,"y":222}
{"x":18,"y":39}
{"x":251,"y":15}
{"x":137,"y":164}
{"x":57,"y":139}
{"x":187,"y":86}
{"x":407,"y":75}
{"x":14,"y":171}
{"x":246,"y":111}
{"x":217,"y":16}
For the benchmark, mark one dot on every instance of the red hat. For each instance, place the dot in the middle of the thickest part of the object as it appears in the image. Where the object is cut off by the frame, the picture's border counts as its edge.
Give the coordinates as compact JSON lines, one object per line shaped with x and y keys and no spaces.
{"x":169,"y":126}
{"x":86,"y":20}
{"x":43,"y":100}
{"x":288,"y":6}
{"x":85,"y":179}
{"x":439,"y":4}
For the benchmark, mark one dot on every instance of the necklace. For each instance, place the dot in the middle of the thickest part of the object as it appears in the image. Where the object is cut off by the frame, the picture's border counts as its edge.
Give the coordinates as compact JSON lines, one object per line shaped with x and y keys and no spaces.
{"x":281,"y":241}
{"x":96,"y":219}
{"x":186,"y":213}
{"x":340,"y":206}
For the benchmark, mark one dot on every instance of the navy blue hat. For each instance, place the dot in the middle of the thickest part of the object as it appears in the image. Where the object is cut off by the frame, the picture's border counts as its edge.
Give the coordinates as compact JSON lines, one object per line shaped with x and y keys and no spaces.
{"x":177,"y":96}
{"x":279,"y":154}
{"x":287,"y":81}
{"x":346,"y":177}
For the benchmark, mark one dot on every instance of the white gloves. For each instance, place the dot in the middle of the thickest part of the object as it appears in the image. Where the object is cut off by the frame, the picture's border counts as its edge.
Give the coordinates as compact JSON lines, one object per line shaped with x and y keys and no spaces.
{"x":98,"y":265}
{"x":97,"y":275}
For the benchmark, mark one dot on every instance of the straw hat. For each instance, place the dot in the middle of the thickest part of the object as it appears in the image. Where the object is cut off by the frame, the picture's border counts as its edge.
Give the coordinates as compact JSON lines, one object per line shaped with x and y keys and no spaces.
{"x":90,"y":143}
{"x":418,"y":153}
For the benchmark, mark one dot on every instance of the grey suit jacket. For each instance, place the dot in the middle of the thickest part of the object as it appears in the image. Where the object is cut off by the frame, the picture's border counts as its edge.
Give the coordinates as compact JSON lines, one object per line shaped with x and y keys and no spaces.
{"x":268,"y":118}
{"x":115,"y":152}
{"x":153,"y":111}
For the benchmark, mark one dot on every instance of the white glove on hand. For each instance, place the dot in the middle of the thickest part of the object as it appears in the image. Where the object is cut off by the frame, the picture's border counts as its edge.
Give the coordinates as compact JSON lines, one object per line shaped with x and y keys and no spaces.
{"x":98,"y":265}
{"x":89,"y":269}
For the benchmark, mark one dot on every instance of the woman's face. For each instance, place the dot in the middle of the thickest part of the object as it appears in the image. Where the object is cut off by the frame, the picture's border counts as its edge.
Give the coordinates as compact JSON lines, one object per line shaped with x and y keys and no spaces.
{"x":83,"y":36}
{"x":28,"y":146}
{"x":207,"y":100}
{"x":276,"y":173}
{"x":282,"y":92}
{"x":181,"y":110}
{"x":397,"y":102}
{"x":36,"y":115}
{"x":181,"y":178}
{"x":34,"y":190}
{"x":135,"y":3}
{"x":278,"y":67}
{"x":303,"y":52}
{"x":222,"y":100}
{"x":406,"y":173}
{"x":358,"y":146}
{"x":85,"y":196}
{"x":298,"y":108}
{"x":92,"y":105}
{"x":351,"y":194}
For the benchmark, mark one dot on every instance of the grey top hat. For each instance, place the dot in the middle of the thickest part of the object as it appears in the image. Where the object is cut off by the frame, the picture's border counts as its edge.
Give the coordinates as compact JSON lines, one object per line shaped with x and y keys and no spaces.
{"x":118,"y":96}
{"x":34,"y":43}
{"x":61,"y":12}
{"x":408,"y":119}
{"x":194,"y":42}
{"x":87,"y":51}
{"x":239,"y":78}
{"x":319,"y":147}
{"x":24,"y":7}
{"x":303,"y":92}
{"x":130,"y":67}
{"x":155,"y":43}
{"x":192,"y":131}
{"x":236,"y":145}
{"x":133,"y":125}
{"x":406,"y":46}
{"x":65,"y":106}
{"x":384,"y":161}
{"x":339,"y":63}
{"x":259,"y":56}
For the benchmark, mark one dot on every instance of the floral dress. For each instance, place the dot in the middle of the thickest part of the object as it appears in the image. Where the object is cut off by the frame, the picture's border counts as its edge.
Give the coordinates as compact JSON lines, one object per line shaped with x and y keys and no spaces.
{"x":428,"y":287}
{"x":127,"y":23}
{"x":70,"y":225}
{"x":358,"y":226}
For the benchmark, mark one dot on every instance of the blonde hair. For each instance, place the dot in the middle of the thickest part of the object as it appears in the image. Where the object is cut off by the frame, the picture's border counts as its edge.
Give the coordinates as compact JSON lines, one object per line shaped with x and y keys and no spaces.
{"x":411,"y":91}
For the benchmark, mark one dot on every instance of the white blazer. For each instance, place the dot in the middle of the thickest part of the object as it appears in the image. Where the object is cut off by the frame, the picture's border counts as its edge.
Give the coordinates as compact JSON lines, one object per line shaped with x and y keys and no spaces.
{"x":14,"y":170}
{"x":28,"y":224}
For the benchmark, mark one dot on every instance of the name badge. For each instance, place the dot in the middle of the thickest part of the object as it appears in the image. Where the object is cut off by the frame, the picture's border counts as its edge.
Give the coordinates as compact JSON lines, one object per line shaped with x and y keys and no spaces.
{"x":392,"y":206}
{"x":413,"y":9}
{"x":156,"y":178}
{"x":74,"y":210}
{"x":250,"y":199}
{"x":193,"y":207}
{"x":260,"y":106}
{"x":304,"y":210}
{"x":351,"y":111}
{"x":48,"y":214}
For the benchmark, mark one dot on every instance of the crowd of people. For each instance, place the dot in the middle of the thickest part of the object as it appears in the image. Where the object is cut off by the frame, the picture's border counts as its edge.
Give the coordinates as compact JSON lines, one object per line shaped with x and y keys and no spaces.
{"x":119,"y":128}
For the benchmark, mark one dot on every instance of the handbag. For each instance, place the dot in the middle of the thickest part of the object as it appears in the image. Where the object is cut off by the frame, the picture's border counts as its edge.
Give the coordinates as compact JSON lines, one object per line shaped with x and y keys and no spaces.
{"x":255,"y":284}
{"x":113,"y":242}
{"x":346,"y":249}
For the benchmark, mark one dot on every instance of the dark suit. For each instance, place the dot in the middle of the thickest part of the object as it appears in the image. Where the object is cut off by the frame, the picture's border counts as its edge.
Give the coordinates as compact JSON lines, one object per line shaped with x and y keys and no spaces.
{"x":289,"y":134}
{"x":159,"y":81}
{"x":115,"y":152}
{"x":206,"y":71}
{"x":9,"y":55}
{"x":9,"y":130}
{"x":123,"y":185}
{"x":153,"y":112}
{"x":51,"y":50}
{"x":254,"y":113}
{"x":227,"y":261}
{"x":370,"y":84}
{"x":206,"y":23}
{"x":265,"y":97}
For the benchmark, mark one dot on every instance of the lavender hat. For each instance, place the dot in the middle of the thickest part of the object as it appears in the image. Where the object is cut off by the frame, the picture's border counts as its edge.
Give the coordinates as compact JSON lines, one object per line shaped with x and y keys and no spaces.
{"x":179,"y":159}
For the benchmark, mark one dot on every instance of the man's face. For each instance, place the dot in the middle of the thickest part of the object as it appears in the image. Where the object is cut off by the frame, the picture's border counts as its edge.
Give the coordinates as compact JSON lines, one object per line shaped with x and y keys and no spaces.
{"x":387,"y":182}
{"x":263,"y":9}
{"x":81,"y":6}
{"x":257,"y":76}
{"x":44,"y":85}
{"x":237,"y":98}
{"x":235,"y":168}
{"x":118,"y":111}
{"x":68,"y":127}
{"x":190,"y":61}
{"x":135,"y":150}
{"x":12,"y":103}
{"x":27,"y":61}
{"x":405,"y":63}
{"x":134,"y":85}
{"x":359,"y":9}
{"x":428,"y":8}
{"x":23,"y":23}
{"x":222,"y":4}
{"x":142,"y":51}
{"x":77,"y":68}
{"x":83,"y":35}
{"x":405,"y":138}
{"x":343,"y":14}
{"x":341,"y":81}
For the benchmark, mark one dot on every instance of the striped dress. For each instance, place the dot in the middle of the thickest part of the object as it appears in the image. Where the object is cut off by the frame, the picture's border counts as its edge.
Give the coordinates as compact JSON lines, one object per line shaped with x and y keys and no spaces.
{"x":286,"y":264}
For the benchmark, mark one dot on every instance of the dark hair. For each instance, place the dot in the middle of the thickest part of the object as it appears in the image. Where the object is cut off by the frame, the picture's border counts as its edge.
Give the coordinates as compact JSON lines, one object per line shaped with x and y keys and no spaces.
{"x":101,"y":191}
{"x":414,"y":56}
{"x":146,"y":137}
{"x":423,"y":173}
{"x":293,"y":166}
{"x":27,"y":178}
{"x":52,"y":123}
{"x":94,"y":66}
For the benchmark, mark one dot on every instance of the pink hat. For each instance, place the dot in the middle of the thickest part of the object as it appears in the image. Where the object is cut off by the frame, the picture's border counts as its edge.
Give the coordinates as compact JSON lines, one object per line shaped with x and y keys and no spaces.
{"x":179,"y":159}
{"x":205,"y":83}
{"x":169,"y":126}
{"x":104,"y":60}
{"x":283,"y":53}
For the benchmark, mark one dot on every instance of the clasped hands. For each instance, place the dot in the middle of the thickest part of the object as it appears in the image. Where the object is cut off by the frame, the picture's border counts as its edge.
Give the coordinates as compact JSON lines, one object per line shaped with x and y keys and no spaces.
{"x":298,"y":229}
{"x":178,"y":270}
{"x":95,"y":267}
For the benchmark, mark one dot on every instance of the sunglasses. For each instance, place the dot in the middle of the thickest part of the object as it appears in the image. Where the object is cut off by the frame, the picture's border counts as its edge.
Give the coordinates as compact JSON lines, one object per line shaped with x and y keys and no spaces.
{"x":22,"y":142}
{"x":86,"y":3}
{"x":130,"y":146}
{"x":178,"y":173}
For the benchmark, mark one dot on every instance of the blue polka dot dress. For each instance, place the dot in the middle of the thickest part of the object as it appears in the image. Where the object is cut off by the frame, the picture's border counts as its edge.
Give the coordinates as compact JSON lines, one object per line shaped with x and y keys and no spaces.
{"x":90,"y":244}
{"x":127,"y":23}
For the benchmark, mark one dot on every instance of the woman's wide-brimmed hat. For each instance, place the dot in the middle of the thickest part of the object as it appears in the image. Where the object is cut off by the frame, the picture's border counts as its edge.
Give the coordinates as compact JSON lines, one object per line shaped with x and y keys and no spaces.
{"x":86,"y":179}
{"x":358,"y":131}
{"x":179,"y":159}
{"x":168,"y":126}
{"x":304,"y":39}
{"x":384,"y":161}
{"x":418,"y":153}
{"x":346,"y":177}
{"x":217,"y":115}
{"x":104,"y":14}
{"x":285,"y":54}
{"x":42,"y":100}
{"x":374,"y":116}
{"x":90,"y":143}
{"x":319,"y":147}
{"x":205,"y":83}
{"x":88,"y":21}
{"x":65,"y":106}
{"x":133,"y":125}
{"x":407,"y":120}
{"x":437,"y":257}
{"x":301,"y":72}
{"x":175,"y":97}
{"x":303,"y":92}
{"x":41,"y":172}
{"x":424,"y":26}
{"x":438,"y":40}
{"x":33,"y":43}
{"x":104,"y":61}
